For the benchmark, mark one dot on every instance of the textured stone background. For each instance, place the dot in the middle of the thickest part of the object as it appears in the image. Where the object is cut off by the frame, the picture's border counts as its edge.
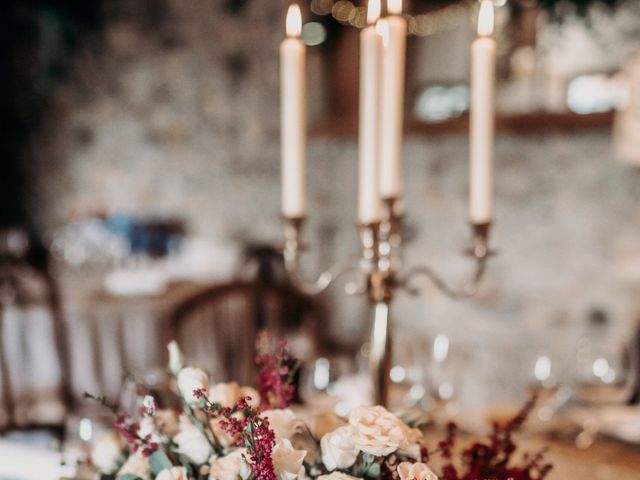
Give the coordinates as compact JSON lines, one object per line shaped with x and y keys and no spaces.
{"x":181,"y":117}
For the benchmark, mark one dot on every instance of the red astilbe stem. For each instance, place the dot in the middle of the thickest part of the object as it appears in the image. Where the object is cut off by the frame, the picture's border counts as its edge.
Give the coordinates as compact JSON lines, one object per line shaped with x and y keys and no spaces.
{"x":490,"y":460}
{"x":277,"y":369}
{"x":250,"y":430}
{"x":128,"y":428}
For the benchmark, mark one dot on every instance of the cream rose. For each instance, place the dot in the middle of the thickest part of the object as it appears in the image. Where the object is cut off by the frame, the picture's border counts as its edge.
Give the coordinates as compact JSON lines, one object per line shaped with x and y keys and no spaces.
{"x":176,"y":359}
{"x":325,"y":422}
{"x":107,"y":453}
{"x":287,"y":461}
{"x":167,"y":422}
{"x":173,"y":473}
{"x":190,"y":379}
{"x":338,"y":450}
{"x":377,"y":431}
{"x":221,"y":435}
{"x":136,"y":465}
{"x":415,"y":471}
{"x":227,"y":467}
{"x":225,"y":394}
{"x":337,"y":476}
{"x":284,"y":423}
{"x":192,"y":443}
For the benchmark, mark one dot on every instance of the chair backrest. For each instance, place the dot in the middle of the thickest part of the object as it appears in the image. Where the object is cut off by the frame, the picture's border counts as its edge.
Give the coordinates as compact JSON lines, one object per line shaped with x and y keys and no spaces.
{"x":217,"y":328}
{"x":34,"y":370}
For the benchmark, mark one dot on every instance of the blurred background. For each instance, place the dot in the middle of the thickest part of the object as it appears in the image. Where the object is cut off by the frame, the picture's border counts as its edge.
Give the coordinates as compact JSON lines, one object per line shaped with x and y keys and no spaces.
{"x":141,"y":167}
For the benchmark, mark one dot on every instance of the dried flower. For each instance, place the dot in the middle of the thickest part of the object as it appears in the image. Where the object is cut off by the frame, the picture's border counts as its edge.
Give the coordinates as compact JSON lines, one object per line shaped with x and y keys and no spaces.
{"x":277,"y":371}
{"x":492,"y":459}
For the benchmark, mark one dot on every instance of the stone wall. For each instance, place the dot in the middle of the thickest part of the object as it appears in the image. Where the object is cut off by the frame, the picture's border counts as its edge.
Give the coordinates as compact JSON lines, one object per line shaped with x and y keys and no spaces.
{"x":181,"y":117}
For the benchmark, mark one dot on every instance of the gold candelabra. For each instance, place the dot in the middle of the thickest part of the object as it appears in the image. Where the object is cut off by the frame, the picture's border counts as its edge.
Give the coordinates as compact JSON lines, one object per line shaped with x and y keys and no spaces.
{"x":378,"y":274}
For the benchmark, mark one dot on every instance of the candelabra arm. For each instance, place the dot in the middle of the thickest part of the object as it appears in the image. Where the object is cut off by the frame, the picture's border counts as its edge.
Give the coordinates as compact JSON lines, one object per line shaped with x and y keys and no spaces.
{"x":291,"y":253}
{"x":479,"y":251}
{"x":324,"y":280}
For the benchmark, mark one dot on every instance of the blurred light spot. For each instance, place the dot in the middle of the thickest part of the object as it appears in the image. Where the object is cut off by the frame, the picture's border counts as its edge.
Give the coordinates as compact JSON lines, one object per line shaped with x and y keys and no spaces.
{"x":342,"y":10}
{"x":85,"y":430}
{"x":545,"y":413}
{"x":500,"y":3}
{"x":313,"y":33}
{"x":321,"y":7}
{"x":358,"y":17}
{"x":439,"y":102}
{"x":342,"y":409}
{"x":445,"y":391}
{"x":609,"y":377}
{"x":321,"y":374}
{"x":412,"y":25}
{"x":596,"y":93}
{"x":397,"y":374}
{"x":441,"y":348}
{"x":600,"y":367}
{"x":417,"y":392}
{"x":542,"y":369}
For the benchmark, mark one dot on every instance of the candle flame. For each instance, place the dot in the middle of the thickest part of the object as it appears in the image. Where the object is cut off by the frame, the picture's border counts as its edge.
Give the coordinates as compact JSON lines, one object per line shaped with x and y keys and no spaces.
{"x":394,"y":7}
{"x":294,"y":21}
{"x":373,"y":11}
{"x":485,"y":18}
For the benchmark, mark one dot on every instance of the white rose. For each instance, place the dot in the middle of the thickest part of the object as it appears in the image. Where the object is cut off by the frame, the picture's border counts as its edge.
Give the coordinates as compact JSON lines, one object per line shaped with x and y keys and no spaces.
{"x":192,"y":443}
{"x":225,"y":394}
{"x":173,"y":473}
{"x":415,"y":471}
{"x":148,"y":427}
{"x":176,"y":358}
{"x":411,"y":447}
{"x":190,"y":379}
{"x":337,"y":476}
{"x":136,"y":465}
{"x":287,"y":462}
{"x":227,"y":467}
{"x":107,"y":454}
{"x":377,"y":431}
{"x":283,"y":423}
{"x":413,"y":450}
{"x":338,"y":450}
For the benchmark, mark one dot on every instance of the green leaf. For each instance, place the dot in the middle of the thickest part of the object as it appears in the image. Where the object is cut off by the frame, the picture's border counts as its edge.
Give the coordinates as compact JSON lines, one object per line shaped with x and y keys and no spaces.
{"x":129,"y":476}
{"x":374,"y":471}
{"x":368,"y":458}
{"x":159,"y":461}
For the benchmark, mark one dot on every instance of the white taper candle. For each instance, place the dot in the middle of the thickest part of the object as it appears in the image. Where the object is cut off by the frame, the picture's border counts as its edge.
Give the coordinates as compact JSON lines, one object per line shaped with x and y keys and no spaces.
{"x":293,"y":122}
{"x":393,"y":30}
{"x":483,"y":67}
{"x":368,"y":138}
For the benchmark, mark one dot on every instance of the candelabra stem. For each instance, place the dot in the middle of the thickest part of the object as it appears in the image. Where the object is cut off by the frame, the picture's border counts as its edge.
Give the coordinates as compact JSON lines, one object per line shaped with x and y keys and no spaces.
{"x":380,"y":351}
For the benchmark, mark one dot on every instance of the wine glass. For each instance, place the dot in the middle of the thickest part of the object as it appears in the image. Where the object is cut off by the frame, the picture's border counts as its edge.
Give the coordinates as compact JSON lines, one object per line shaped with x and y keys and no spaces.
{"x":605,"y":371}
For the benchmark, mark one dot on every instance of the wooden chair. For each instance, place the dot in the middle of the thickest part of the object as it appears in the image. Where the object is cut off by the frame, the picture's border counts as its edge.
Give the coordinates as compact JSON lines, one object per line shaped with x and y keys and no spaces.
{"x":30,"y":308}
{"x":217,"y":328}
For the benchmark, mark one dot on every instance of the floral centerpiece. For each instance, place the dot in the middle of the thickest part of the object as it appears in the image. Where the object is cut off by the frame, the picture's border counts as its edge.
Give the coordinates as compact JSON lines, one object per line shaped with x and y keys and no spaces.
{"x":229,"y":432}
